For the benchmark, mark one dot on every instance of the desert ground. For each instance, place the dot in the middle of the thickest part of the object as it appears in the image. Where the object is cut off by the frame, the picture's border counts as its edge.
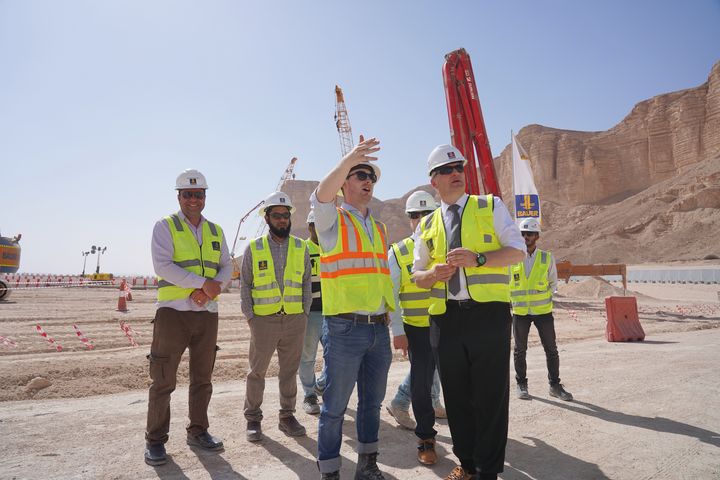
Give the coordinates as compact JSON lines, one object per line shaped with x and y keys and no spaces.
{"x":642,"y":410}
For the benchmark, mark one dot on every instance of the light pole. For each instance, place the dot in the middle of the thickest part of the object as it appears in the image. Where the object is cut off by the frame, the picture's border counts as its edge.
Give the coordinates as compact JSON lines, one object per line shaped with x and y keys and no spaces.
{"x":100,"y":251}
{"x":85,"y":255}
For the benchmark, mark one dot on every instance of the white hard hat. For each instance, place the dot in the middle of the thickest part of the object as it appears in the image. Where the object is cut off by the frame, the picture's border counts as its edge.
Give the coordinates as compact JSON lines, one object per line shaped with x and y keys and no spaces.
{"x":311,"y":216}
{"x":276,"y":199}
{"x":442,"y":155}
{"x":190,"y":178}
{"x":420,"y":201}
{"x":372,"y":165}
{"x":530,"y":225}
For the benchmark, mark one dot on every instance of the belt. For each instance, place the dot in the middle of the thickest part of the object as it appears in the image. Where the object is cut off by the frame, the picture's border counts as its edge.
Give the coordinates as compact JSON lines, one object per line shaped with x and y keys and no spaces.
{"x":462,"y":304}
{"x":356,"y":317}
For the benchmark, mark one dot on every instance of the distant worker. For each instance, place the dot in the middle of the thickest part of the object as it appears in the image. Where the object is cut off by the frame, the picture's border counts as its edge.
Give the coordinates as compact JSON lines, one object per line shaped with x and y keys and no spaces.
{"x":532,"y":285}
{"x":312,"y":385}
{"x":192,"y":263}
{"x":357,"y":294}
{"x":463,"y":255}
{"x":275,"y":298}
{"x":411,"y":334}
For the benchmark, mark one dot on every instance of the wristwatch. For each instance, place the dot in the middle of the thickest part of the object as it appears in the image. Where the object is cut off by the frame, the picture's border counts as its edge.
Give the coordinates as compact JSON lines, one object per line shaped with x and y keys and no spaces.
{"x":481,"y":259}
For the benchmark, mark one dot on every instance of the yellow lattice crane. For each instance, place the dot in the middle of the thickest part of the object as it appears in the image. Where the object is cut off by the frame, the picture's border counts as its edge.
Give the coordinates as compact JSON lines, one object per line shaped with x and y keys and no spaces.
{"x":342,"y":122}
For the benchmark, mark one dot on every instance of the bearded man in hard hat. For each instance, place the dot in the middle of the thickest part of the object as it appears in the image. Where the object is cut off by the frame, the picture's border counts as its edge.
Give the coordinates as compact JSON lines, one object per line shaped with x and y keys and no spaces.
{"x":192,"y":263}
{"x":532,"y":285}
{"x":275,"y":298}
{"x":312,"y":385}
{"x":463,"y":256}
{"x":411,"y":332}
{"x":357,"y":294}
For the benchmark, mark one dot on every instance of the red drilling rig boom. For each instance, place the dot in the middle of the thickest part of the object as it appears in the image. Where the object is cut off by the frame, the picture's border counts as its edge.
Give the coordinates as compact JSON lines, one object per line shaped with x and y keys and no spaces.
{"x":467,"y":127}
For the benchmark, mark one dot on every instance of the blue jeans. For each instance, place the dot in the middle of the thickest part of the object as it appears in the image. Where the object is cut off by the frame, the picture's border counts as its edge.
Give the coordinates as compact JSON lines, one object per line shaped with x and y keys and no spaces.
{"x":306,"y":372}
{"x":354,"y":352}
{"x":403,"y":398}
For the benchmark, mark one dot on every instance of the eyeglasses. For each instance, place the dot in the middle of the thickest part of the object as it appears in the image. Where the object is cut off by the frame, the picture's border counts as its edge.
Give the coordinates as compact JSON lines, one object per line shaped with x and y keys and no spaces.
{"x":416,"y":215}
{"x":188,"y":195}
{"x":528,"y":234}
{"x":362,"y":176}
{"x":280,"y":216}
{"x":448,"y":169}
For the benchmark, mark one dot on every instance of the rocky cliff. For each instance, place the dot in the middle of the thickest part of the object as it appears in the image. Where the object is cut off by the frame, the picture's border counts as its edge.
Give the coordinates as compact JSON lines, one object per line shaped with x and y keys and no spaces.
{"x":659,"y":139}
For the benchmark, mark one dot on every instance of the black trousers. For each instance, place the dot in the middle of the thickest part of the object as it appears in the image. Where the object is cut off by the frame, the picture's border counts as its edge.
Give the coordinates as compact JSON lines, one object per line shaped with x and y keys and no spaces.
{"x":472,"y":347}
{"x":422,"y":371}
{"x":545,"y":325}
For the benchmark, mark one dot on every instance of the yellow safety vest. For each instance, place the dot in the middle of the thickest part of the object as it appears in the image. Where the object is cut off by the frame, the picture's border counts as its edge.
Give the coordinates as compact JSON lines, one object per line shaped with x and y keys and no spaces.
{"x":532,"y":291}
{"x":314,"y":251}
{"x":414,"y":301}
{"x":477,"y":233}
{"x":201,"y":260}
{"x":266,"y":295}
{"x":354,"y":274}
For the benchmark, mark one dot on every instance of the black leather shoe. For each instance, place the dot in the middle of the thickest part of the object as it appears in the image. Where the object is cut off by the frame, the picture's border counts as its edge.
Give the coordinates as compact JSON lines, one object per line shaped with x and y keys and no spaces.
{"x":155,"y":454}
{"x":206,"y":441}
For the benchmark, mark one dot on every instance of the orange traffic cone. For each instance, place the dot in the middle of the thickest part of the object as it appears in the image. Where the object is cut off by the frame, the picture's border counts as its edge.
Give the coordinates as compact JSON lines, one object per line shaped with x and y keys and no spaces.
{"x":122,"y":302}
{"x":125,"y":288}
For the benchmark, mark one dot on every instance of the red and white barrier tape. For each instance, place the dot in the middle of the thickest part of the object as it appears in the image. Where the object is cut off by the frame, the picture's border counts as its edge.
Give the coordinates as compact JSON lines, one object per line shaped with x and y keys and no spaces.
{"x":7,"y":342}
{"x":49,"y":339}
{"x":86,"y":341}
{"x":128,"y":333}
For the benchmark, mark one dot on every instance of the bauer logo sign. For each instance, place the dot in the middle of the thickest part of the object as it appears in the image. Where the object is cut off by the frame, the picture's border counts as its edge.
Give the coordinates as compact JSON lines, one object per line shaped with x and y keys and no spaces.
{"x":527,"y":206}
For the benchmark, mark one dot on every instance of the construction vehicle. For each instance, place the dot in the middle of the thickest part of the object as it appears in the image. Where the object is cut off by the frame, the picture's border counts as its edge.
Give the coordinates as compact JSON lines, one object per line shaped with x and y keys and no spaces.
{"x":288,"y":174}
{"x":9,"y":261}
{"x":467,"y":127}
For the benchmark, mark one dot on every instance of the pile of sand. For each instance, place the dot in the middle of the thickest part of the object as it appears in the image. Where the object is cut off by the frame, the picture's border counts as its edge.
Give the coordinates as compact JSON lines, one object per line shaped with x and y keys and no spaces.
{"x":595,"y":287}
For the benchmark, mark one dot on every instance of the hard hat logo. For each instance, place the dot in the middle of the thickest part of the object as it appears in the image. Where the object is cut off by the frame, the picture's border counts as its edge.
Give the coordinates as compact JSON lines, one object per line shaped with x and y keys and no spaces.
{"x":193,"y":181}
{"x":451,"y":155}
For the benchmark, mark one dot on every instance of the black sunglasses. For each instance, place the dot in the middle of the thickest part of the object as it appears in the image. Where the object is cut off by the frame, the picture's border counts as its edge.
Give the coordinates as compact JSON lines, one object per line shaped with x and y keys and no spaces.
{"x":188,"y":195}
{"x":362,"y":176}
{"x":448,"y":169}
{"x":416,"y":215}
{"x":279,"y":216}
{"x":528,"y":234}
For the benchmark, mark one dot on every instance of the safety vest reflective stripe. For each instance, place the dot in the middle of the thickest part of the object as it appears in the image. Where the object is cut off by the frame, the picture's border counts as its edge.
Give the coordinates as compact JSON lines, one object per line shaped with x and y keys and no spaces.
{"x":353,"y":261}
{"x":520,"y":293}
{"x":415,"y":296}
{"x":483,"y":279}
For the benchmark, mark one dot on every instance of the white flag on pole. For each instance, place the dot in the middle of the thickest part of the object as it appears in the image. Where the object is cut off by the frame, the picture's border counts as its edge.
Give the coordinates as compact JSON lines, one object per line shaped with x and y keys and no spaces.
{"x":527,"y":201}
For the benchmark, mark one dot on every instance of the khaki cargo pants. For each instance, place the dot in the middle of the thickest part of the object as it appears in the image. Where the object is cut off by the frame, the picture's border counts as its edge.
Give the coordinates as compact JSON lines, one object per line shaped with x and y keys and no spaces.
{"x":173,"y":332}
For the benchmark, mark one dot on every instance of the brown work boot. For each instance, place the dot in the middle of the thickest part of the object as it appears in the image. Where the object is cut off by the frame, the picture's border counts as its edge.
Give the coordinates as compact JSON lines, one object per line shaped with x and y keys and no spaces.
{"x":459,"y":473}
{"x":426,"y":451}
{"x":291,"y":427}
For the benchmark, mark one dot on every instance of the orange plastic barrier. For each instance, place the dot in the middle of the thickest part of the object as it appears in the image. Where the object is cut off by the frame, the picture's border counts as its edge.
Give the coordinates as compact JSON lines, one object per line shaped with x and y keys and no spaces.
{"x":623,"y":324}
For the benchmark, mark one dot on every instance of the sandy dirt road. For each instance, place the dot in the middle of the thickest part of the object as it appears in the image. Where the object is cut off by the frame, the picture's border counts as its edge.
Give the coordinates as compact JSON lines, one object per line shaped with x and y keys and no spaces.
{"x":645,"y":410}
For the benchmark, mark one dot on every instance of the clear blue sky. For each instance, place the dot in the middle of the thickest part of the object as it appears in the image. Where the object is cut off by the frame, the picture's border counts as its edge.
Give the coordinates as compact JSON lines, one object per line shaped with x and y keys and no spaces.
{"x":103,"y":103}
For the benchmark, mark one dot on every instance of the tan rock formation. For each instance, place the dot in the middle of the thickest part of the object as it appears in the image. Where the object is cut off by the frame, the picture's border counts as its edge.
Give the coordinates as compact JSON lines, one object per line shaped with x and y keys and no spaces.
{"x":660,"y":138}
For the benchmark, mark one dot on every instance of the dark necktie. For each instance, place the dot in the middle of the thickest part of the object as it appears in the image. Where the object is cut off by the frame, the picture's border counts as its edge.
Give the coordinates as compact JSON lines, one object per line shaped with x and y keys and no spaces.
{"x":454,"y":242}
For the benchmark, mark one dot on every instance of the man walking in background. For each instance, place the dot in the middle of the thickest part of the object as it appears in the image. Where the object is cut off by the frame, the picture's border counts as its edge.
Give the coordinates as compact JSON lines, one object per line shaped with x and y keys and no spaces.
{"x":275,"y":298}
{"x":533,"y":282}
{"x":191,"y":260}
